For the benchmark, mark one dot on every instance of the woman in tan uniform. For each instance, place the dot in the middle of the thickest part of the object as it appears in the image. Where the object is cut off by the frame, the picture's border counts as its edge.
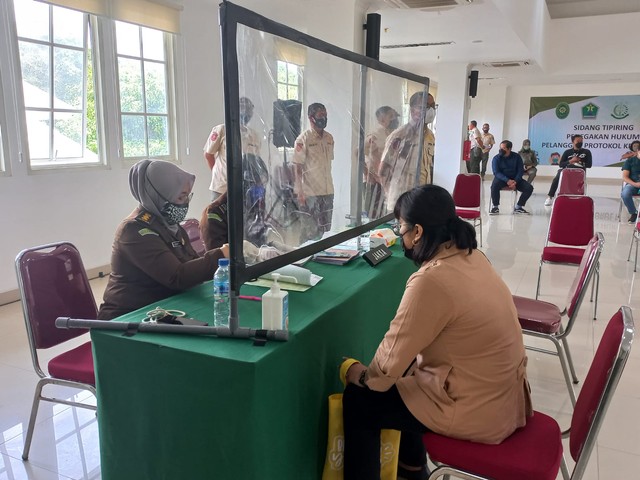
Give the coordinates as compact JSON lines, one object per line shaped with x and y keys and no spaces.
{"x":152,"y":257}
{"x":453,"y":360}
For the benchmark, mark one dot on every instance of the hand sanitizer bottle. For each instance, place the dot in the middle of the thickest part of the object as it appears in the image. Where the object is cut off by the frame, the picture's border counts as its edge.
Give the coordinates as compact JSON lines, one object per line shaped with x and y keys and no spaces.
{"x":275,"y":307}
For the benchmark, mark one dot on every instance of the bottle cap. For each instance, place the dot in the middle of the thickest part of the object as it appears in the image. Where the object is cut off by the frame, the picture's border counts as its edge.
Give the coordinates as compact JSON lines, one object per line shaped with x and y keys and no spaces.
{"x":223,"y":262}
{"x":275,"y":287}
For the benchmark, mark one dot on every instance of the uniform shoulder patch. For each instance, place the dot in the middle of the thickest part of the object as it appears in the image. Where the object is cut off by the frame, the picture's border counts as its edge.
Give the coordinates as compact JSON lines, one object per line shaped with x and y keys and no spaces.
{"x":145,"y":217}
{"x":214,"y":136}
{"x":214,"y":216}
{"x":147,"y":231}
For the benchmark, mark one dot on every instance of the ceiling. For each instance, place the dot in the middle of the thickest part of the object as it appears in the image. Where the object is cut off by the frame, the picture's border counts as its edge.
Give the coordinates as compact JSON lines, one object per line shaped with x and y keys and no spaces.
{"x":479,"y":36}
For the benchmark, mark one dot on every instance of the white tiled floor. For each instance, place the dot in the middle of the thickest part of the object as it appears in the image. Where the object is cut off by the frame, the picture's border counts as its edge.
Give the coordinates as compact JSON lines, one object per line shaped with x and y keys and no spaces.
{"x":66,"y":439}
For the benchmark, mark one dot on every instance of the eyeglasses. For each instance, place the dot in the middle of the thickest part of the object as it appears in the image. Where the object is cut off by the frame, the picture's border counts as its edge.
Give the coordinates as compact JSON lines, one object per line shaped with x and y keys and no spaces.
{"x":396,"y":229}
{"x":187,"y":199}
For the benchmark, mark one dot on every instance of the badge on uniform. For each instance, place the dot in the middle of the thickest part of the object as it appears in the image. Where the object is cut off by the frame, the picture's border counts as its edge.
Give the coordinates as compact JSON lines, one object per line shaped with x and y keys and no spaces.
{"x":214,"y":136}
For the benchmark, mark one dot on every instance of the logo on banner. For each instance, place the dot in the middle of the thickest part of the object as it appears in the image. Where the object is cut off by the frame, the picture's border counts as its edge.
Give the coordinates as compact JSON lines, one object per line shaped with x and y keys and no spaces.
{"x":590,"y":110}
{"x":620,"y":111}
{"x":562,"y":110}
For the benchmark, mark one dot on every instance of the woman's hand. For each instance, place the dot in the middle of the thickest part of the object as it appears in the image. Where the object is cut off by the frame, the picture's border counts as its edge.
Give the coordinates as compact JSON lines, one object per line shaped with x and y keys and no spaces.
{"x":354,"y":372}
{"x":225,"y":250}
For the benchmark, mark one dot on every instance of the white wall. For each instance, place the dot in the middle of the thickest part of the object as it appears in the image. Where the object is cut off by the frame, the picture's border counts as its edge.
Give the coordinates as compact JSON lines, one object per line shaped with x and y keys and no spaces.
{"x":86,"y":206}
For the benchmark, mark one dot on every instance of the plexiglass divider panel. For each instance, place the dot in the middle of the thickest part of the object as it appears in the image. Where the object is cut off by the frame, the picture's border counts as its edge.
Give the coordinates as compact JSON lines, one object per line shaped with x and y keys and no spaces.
{"x":320,"y":142}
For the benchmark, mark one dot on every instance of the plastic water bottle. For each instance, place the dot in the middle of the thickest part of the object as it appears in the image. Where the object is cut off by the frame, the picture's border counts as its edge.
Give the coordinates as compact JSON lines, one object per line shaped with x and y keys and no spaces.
{"x":364,"y":242}
{"x":221,"y":294}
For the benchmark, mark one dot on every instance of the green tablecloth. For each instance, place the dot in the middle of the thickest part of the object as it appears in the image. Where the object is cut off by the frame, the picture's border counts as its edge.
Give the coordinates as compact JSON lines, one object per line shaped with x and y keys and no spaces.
{"x":186,"y":407}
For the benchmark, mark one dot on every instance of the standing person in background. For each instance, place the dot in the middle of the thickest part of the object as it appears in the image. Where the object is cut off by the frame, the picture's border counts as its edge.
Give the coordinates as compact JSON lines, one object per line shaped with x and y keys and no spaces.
{"x":215,"y":149}
{"x":488,"y":141}
{"x":402,"y":153}
{"x":473,"y":166}
{"x":374,"y":144}
{"x":631,"y":178}
{"x":576,"y":157}
{"x":312,"y":160}
{"x":530,"y":160}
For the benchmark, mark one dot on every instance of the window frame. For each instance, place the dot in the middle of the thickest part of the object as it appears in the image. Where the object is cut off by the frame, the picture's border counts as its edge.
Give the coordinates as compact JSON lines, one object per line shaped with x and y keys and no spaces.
{"x":90,"y":43}
{"x":300,"y":70}
{"x":169,"y":42}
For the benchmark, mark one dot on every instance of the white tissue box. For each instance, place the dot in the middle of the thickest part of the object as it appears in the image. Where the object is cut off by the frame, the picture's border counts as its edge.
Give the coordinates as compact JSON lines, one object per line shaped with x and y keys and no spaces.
{"x":382,"y":236}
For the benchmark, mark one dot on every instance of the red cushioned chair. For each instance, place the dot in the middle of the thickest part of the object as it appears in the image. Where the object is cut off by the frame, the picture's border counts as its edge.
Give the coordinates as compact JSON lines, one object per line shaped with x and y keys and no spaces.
{"x":466,"y":196}
{"x":192,"y":227}
{"x":635,"y":197}
{"x":544,"y":320}
{"x":534,"y":452}
{"x":635,"y":238}
{"x":570,"y":229}
{"x":53,"y":283}
{"x":572,"y":182}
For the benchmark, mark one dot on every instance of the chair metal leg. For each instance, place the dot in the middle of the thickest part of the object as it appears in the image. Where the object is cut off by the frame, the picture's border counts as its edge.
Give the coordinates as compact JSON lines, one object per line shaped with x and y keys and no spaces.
{"x":481,"y":232}
{"x":635,"y":262}
{"x":564,"y":469}
{"x":565,"y":370}
{"x":538,"y":285}
{"x":567,"y":352}
{"x":445,"y":471}
{"x":32,"y":419}
{"x":597,"y":282}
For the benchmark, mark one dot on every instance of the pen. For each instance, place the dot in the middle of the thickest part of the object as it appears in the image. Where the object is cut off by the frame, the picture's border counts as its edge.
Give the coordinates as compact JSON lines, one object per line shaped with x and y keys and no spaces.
{"x":249,"y":297}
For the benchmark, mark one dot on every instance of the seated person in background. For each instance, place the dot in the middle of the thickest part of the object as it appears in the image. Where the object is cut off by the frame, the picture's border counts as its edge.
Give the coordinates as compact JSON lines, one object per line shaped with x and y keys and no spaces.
{"x":554,"y":158}
{"x":445,"y":364}
{"x":507,"y":172}
{"x":633,"y":148}
{"x":152,"y":257}
{"x":214,"y":231}
{"x":575,"y":157}
{"x":530,"y":160}
{"x":631,"y":178}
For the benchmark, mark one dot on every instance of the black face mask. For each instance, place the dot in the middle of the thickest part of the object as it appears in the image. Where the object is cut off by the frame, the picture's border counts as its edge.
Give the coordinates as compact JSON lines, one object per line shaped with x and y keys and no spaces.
{"x":408,"y":252}
{"x":245,"y":118}
{"x":579,"y":145}
{"x":503,"y":152}
{"x":393,"y":124}
{"x":174,"y":213}
{"x":320,"y":122}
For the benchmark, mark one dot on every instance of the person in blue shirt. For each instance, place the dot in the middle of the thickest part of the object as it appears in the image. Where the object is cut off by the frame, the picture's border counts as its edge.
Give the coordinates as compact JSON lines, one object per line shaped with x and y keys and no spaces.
{"x":508,"y":169}
{"x":631,"y":178}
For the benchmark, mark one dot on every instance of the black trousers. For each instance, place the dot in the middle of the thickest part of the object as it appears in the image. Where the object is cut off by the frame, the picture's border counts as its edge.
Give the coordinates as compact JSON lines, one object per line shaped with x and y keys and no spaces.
{"x":365,"y":413}
{"x":522,"y":186}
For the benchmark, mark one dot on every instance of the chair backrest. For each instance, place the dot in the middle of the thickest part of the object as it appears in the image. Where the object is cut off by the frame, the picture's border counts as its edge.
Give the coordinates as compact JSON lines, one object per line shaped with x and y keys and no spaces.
{"x":466,"y":192}
{"x":599,"y":386}
{"x":53,"y":283}
{"x":572,"y":181}
{"x":583,"y":276}
{"x":192,"y":227}
{"x":571,"y":221}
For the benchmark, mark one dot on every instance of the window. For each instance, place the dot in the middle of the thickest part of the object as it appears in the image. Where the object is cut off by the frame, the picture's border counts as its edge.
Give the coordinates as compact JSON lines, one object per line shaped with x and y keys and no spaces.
{"x":56,"y":58}
{"x":289,"y":81}
{"x":143,"y":85}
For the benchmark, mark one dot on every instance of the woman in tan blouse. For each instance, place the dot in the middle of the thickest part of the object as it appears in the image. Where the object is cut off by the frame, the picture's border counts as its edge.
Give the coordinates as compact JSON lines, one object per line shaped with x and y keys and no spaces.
{"x":453,"y":360}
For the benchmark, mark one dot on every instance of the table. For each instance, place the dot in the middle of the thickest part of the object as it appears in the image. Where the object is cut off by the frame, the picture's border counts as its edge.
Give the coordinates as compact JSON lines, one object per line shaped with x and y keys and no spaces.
{"x":186,"y":407}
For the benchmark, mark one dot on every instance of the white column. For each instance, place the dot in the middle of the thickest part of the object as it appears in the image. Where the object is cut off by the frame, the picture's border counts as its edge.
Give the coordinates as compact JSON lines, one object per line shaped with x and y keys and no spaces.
{"x":451,"y":122}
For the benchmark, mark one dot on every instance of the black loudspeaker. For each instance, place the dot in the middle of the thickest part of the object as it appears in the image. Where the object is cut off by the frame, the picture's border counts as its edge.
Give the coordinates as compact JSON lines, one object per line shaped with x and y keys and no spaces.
{"x":286,"y":122}
{"x":473,"y":83}
{"x":372,"y":48}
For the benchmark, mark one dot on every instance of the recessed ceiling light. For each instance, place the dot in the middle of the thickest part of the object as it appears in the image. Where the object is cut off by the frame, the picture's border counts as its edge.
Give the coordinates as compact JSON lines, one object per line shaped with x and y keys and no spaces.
{"x":412,"y":45}
{"x":476,"y":41}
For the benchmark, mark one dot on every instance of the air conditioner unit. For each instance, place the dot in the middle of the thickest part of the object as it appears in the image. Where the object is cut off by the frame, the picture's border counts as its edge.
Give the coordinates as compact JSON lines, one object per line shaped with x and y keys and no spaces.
{"x":421,"y":4}
{"x":510,"y":63}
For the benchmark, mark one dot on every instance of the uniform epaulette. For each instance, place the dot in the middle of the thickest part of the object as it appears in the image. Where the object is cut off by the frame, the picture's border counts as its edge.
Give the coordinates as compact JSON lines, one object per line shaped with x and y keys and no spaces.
{"x":145,"y":217}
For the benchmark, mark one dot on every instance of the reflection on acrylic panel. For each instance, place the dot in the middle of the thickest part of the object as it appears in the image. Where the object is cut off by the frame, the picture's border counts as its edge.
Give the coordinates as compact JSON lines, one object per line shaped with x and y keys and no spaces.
{"x":326,"y":143}
{"x":312,"y":166}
